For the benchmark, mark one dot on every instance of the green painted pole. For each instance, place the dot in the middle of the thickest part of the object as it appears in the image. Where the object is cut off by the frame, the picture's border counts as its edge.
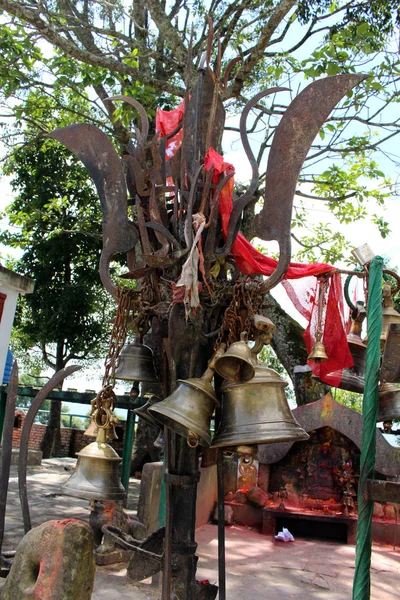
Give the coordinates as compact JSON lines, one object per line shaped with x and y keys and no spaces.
{"x":127,"y":452}
{"x":362,"y":576}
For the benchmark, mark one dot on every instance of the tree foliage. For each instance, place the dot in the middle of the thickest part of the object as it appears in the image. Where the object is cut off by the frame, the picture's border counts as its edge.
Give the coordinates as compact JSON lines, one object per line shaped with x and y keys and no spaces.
{"x":55,"y":220}
{"x":68,"y":56}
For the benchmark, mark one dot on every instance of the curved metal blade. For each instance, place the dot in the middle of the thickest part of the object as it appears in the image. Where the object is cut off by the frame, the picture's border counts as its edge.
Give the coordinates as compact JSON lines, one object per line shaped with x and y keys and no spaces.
{"x":97,"y":153}
{"x":292,"y":141}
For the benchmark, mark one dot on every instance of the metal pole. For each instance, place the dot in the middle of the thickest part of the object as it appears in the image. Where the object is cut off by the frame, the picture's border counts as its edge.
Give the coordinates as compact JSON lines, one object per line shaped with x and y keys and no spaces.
{"x":166,"y":573}
{"x":127,"y":451}
{"x":3,"y":401}
{"x":221,"y":527}
{"x":362,"y":576}
{"x":7,"y":446}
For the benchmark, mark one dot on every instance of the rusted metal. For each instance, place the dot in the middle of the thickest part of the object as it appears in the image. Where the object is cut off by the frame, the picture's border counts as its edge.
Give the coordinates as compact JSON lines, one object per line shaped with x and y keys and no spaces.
{"x":55,"y":380}
{"x":240,"y":204}
{"x":166,"y":587}
{"x":7,"y":445}
{"x":97,"y":153}
{"x":292,"y":140}
{"x":221,"y":526}
{"x":148,"y":556}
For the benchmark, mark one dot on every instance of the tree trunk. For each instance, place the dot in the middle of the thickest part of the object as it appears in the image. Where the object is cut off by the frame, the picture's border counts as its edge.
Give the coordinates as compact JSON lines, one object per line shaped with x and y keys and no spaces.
{"x":51,"y":442}
{"x":288,"y":343}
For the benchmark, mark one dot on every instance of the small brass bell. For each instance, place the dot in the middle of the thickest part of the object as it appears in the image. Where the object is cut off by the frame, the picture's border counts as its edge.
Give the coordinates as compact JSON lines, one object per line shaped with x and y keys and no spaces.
{"x":318,"y":353}
{"x":235,"y":364}
{"x":143,"y":411}
{"x":136,"y":363}
{"x":92,"y":430}
{"x":257,"y":412}
{"x":389,"y":402}
{"x":188,"y":410}
{"x":96,"y":475}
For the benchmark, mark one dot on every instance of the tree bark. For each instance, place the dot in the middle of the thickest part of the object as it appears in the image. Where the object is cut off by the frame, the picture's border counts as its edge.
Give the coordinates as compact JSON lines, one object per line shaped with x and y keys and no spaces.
{"x":288,"y":343}
{"x":51,"y":442}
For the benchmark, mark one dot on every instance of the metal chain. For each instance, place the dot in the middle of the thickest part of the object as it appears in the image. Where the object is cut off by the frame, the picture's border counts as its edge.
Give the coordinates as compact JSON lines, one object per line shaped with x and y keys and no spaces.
{"x":246,"y":302}
{"x":125,"y":299}
{"x":103,"y":404}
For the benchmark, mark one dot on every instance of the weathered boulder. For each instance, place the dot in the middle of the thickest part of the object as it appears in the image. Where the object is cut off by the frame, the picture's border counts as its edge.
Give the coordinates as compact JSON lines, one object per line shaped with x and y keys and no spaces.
{"x":53,"y":562}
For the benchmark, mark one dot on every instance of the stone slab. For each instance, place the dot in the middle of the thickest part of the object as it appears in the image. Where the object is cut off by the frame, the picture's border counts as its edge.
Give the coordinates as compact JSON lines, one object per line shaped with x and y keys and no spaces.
{"x":34,"y":457}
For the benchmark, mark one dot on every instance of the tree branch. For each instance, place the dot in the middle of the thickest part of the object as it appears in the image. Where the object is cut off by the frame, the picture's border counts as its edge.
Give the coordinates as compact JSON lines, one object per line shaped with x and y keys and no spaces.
{"x":257,"y":52}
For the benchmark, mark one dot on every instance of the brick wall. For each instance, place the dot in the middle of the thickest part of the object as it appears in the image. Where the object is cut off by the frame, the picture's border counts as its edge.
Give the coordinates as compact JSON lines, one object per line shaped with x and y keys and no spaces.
{"x":72,"y":440}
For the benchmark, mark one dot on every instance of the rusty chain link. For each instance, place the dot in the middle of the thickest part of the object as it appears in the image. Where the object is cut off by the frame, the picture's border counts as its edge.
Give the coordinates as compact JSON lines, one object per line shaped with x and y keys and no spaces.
{"x":246,"y":302}
{"x":103,"y":404}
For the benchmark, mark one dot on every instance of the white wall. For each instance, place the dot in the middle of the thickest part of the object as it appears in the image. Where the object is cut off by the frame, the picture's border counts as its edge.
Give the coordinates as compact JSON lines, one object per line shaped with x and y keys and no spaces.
{"x":6,"y":323}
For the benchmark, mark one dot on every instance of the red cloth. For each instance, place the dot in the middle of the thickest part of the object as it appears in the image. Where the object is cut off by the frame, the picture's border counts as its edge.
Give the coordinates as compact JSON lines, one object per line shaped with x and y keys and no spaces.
{"x":167,"y":121}
{"x":304,"y":294}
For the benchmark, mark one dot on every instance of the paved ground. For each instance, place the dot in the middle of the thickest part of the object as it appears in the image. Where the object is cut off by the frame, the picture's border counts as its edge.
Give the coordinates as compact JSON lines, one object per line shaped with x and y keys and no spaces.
{"x":257,"y":567}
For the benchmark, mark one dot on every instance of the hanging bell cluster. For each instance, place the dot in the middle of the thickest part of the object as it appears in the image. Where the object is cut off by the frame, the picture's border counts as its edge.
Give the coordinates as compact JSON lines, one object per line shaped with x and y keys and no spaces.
{"x":254,"y":406}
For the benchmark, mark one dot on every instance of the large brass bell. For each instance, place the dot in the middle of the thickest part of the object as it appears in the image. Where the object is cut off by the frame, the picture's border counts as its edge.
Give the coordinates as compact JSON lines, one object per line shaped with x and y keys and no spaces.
{"x":136,"y":363}
{"x":235,"y":364}
{"x":188,"y":410}
{"x":389,"y":402}
{"x":257,"y":412}
{"x":96,"y":475}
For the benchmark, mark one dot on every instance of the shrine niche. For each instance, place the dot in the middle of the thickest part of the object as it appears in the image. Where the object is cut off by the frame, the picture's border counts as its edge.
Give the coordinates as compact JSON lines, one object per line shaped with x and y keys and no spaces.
{"x":309,"y":475}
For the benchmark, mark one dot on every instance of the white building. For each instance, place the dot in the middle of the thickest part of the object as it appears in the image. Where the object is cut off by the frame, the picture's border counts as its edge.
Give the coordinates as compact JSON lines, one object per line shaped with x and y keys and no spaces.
{"x":11,"y":284}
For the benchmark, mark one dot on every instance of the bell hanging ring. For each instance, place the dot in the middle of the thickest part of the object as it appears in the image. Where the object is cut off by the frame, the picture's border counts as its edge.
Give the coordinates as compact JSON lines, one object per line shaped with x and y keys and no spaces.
{"x":236,"y":364}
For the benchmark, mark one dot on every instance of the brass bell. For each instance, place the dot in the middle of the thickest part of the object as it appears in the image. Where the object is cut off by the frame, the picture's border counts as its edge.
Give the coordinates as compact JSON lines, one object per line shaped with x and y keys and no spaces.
{"x":389,"y":313}
{"x":235,"y":364}
{"x":188,"y":410}
{"x":356,"y":346}
{"x":96,"y":475}
{"x":92,"y":430}
{"x":136,"y":363}
{"x":389,"y":402}
{"x":318,"y":353}
{"x":257,"y":412}
{"x":143,"y":411}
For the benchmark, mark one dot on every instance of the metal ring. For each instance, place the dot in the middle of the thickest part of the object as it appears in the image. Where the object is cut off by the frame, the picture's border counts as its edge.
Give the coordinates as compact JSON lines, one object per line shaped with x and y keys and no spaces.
{"x":190,"y":438}
{"x":396,"y":277}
